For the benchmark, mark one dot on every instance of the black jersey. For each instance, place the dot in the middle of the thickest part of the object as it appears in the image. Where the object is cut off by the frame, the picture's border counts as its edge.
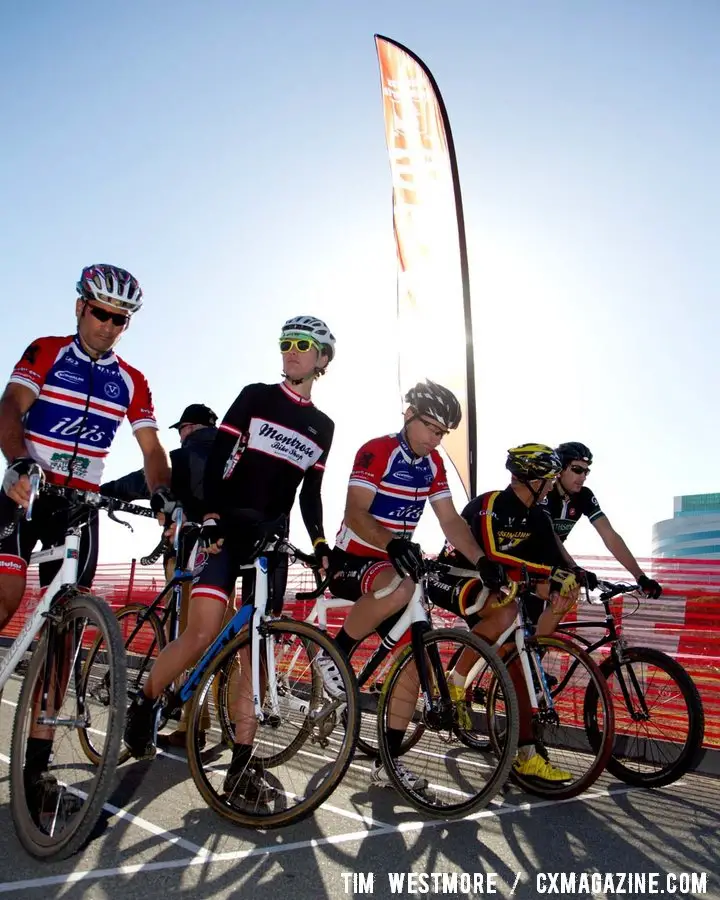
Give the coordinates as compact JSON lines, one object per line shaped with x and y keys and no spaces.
{"x":270,"y":440}
{"x":511,"y":534}
{"x":566,"y":509}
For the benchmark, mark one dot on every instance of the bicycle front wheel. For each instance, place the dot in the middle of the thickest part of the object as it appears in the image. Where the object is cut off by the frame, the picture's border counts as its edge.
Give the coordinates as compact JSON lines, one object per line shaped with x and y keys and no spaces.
{"x":659,"y":718}
{"x":305,"y":744}
{"x":441,"y":775}
{"x":573,"y":726}
{"x":143,"y":637}
{"x":56,"y":806}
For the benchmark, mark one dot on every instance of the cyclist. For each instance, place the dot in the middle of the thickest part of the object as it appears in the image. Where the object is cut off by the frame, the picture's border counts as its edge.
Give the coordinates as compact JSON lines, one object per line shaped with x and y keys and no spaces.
{"x":63,"y":404}
{"x":391,"y":479}
{"x":571,"y":498}
{"x":197,"y":430}
{"x":514,"y":531}
{"x":270,"y":440}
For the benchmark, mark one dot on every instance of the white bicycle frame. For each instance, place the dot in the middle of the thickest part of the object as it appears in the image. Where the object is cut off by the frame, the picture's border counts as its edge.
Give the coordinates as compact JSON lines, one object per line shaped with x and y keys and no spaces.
{"x":66,"y":576}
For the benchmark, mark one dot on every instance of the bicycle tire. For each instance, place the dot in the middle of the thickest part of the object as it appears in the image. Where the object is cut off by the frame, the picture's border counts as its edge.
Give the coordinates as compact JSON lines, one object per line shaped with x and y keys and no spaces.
{"x":277,"y":819}
{"x":153,"y":622}
{"x":73,"y":838}
{"x":686,"y":688}
{"x":368,"y":698}
{"x":600,"y":731}
{"x":502,"y":760}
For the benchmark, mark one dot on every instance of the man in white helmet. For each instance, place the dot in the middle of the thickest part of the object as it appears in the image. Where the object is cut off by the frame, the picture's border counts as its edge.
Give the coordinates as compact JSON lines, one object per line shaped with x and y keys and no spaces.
{"x":63,"y":404}
{"x":271,"y":439}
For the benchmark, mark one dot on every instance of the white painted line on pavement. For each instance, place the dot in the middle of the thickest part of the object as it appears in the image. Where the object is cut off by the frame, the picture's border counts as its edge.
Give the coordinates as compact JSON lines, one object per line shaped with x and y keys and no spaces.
{"x":232,"y":856}
{"x":168,"y":836}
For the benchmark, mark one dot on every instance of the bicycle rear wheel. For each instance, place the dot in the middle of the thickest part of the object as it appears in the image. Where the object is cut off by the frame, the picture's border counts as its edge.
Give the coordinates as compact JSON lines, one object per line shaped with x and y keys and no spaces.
{"x":55,"y":815}
{"x":574,"y":731}
{"x":307,"y":744}
{"x":144,"y":638}
{"x":441,"y":775}
{"x":659,"y":717}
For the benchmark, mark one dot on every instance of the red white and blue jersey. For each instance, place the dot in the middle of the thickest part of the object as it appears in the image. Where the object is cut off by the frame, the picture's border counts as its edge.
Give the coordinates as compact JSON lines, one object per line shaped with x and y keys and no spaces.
{"x":80,"y":402}
{"x":401,"y":482}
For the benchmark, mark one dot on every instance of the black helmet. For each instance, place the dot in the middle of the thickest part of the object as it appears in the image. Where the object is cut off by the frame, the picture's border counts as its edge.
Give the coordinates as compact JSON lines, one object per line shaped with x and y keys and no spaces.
{"x":437,"y":402}
{"x":530,"y":461}
{"x":573,"y":450}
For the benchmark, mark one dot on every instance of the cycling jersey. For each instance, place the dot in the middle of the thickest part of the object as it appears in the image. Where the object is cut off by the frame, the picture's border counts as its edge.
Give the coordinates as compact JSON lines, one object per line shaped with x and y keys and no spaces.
{"x":566,"y":509}
{"x":401,"y":483}
{"x":270,"y":440}
{"x":510,"y":533}
{"x":80,"y":402}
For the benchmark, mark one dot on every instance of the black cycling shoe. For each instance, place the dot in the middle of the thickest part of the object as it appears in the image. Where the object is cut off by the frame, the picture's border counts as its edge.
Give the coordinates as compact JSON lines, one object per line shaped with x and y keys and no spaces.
{"x":247,"y":786}
{"x":141,"y":728}
{"x":46,"y":798}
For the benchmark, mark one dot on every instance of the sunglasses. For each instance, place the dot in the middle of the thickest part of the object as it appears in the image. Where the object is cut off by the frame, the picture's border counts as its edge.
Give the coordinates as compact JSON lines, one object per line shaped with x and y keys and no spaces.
{"x":102,"y":315}
{"x":433,"y":428}
{"x":302,"y":345}
{"x":580,"y":470}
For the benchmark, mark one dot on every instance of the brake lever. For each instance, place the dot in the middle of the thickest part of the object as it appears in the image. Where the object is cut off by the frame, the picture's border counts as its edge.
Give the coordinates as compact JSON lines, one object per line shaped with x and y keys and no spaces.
{"x":111,"y":515}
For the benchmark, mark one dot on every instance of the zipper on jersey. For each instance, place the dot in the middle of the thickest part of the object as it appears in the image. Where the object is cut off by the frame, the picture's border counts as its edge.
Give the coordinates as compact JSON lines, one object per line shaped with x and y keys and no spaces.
{"x":73,"y":458}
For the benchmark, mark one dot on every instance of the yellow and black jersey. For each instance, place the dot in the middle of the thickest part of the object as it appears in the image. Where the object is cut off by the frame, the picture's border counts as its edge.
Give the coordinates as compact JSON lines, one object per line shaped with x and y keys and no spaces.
{"x":510,"y":534}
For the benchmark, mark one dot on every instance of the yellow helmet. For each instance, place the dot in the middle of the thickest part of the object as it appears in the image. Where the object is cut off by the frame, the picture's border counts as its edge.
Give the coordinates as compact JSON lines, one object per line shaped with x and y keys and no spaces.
{"x":530,"y":461}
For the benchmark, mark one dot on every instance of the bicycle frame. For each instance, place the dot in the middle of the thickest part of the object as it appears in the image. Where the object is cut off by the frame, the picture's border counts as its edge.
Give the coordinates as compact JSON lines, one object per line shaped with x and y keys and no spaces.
{"x":242,"y":617}
{"x":65,"y":579}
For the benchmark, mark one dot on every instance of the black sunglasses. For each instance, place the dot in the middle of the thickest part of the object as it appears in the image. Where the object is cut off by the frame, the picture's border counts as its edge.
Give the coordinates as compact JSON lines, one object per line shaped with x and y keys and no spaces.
{"x":102,"y":315}
{"x":580,"y":470}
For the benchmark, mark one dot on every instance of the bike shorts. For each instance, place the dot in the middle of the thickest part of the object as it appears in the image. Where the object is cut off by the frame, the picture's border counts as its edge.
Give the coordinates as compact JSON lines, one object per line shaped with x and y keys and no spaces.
{"x":354,"y":575}
{"x":51,"y":520}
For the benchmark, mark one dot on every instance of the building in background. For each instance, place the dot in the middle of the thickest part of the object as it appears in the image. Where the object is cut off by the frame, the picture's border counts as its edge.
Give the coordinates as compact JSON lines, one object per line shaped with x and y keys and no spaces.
{"x":694,"y":530}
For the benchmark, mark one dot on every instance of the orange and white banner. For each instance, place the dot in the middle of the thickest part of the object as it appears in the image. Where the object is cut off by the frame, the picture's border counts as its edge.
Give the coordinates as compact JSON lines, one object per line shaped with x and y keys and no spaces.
{"x":435,"y":335}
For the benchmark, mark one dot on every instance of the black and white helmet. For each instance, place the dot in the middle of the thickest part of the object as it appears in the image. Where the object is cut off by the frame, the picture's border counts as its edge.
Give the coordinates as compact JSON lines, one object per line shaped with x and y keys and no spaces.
{"x":309,"y":326}
{"x":573,"y":450}
{"x":437,"y":402}
{"x":111,"y":285}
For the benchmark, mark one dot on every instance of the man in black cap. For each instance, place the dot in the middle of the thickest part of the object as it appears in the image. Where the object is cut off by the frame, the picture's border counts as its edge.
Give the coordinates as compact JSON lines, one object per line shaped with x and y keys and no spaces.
{"x":196,"y":427}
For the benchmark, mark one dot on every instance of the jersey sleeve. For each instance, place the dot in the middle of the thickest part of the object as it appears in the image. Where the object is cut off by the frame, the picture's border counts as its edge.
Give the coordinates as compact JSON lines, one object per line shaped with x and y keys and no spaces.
{"x":439,"y":487}
{"x":228,"y":445}
{"x":31,"y":369}
{"x":140,"y":413}
{"x":326,"y":444}
{"x":369,"y":466}
{"x":590,"y":505}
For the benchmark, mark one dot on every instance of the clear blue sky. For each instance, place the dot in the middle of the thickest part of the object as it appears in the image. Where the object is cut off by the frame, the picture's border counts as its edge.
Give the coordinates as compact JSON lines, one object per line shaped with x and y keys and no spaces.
{"x":232,"y":156}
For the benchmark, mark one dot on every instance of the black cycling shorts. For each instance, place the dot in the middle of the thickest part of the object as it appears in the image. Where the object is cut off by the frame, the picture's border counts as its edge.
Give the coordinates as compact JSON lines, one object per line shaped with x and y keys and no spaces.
{"x":215,"y":577}
{"x":353,"y":575}
{"x":49,"y":524}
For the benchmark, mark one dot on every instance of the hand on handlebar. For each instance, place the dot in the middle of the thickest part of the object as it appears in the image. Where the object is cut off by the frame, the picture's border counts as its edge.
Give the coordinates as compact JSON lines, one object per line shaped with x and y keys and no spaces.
{"x":649,"y":586}
{"x":212,"y":536}
{"x":492,"y":574}
{"x":586,"y":578}
{"x":16,"y":481}
{"x":406,"y":557}
{"x":321,"y":551}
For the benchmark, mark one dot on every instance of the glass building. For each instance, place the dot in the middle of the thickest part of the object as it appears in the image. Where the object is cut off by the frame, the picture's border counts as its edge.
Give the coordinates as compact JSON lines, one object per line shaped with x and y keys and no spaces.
{"x":694,"y":530}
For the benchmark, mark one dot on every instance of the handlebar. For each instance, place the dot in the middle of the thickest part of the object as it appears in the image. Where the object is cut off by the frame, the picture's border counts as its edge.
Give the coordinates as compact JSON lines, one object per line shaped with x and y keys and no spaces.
{"x":82,"y":497}
{"x":610,"y":589}
{"x":311,"y":562}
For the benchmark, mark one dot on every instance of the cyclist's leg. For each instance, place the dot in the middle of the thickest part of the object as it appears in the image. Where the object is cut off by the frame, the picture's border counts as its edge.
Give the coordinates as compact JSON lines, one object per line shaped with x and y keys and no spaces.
{"x":15,"y":551}
{"x":206,"y":608}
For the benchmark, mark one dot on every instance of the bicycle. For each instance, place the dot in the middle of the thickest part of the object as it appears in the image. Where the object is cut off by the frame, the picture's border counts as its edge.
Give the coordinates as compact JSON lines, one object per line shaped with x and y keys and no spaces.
{"x":448,"y":781}
{"x":659,"y":717}
{"x":55,"y":815}
{"x":569,"y":702}
{"x":145,"y":629}
{"x":293,"y":712}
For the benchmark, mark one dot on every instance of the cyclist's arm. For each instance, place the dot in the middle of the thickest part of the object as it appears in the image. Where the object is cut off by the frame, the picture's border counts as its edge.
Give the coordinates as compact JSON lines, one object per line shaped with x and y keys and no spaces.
{"x":129,"y":487}
{"x":15,"y":402}
{"x":456,"y":529}
{"x":227,"y":448}
{"x":156,"y":464}
{"x":617,"y":546}
{"x":359,"y":519}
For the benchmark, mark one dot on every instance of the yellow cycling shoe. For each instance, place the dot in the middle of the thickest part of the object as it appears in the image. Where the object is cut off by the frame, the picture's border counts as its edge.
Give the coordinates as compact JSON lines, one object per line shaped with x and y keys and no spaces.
{"x":457,"y":695}
{"x":538,"y":767}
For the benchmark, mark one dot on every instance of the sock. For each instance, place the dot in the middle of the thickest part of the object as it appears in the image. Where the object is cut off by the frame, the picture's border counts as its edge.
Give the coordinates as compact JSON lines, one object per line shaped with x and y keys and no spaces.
{"x":37,"y":754}
{"x":526,"y":752}
{"x":346,"y":643}
{"x":241,"y":756}
{"x":395,"y":738}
